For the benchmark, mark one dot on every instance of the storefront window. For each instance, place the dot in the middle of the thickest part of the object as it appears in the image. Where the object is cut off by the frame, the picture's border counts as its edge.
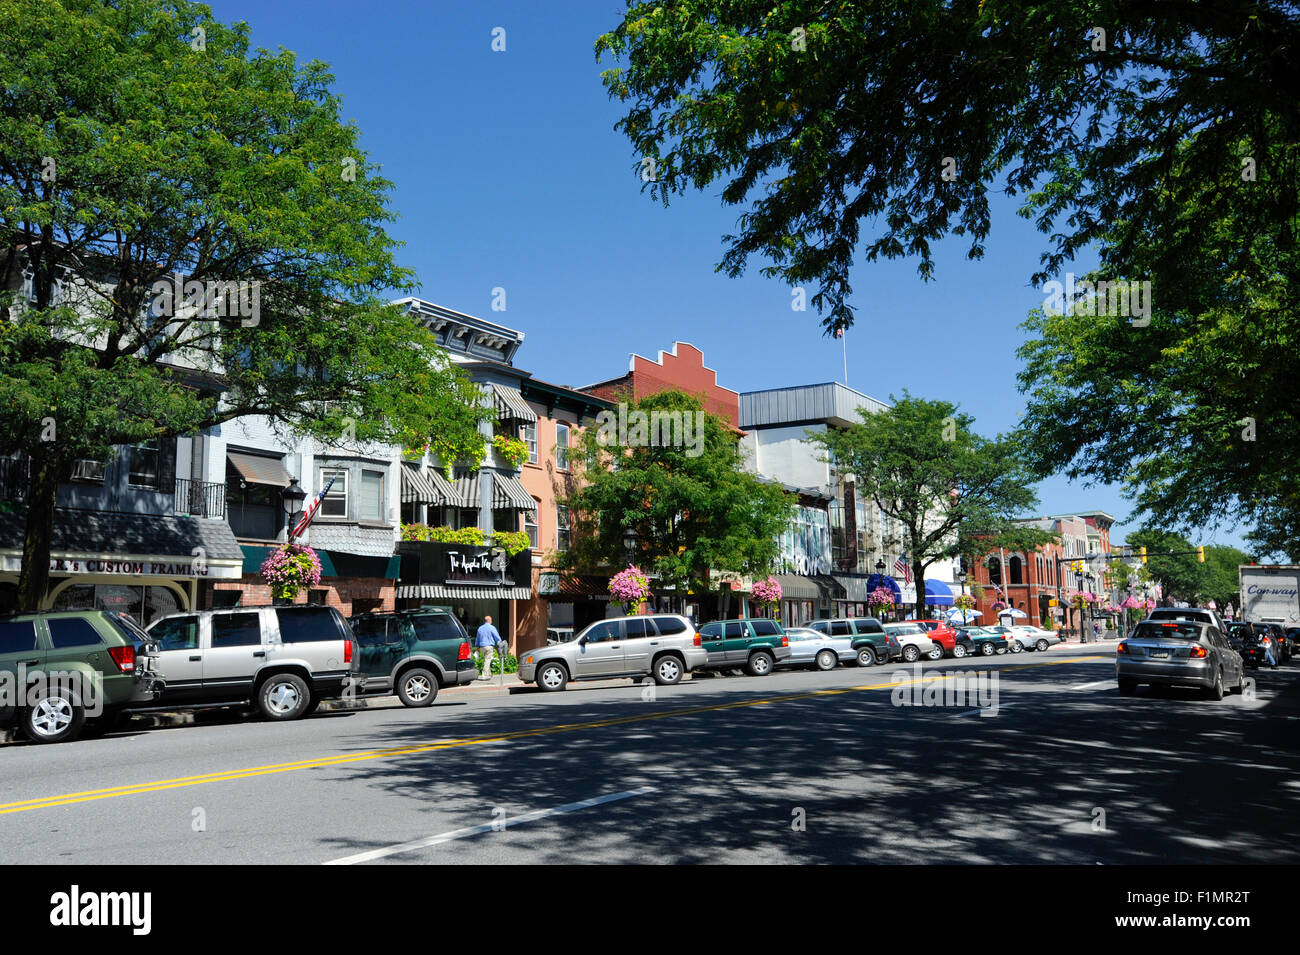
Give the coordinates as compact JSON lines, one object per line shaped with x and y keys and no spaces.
{"x":142,"y":602}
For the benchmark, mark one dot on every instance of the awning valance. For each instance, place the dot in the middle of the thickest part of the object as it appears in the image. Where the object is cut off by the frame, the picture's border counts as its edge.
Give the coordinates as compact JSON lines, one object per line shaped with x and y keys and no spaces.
{"x":257,"y":469}
{"x":448,"y":592}
{"x":425,"y":487}
{"x":937,"y":593}
{"x":509,"y":492}
{"x":511,"y":405}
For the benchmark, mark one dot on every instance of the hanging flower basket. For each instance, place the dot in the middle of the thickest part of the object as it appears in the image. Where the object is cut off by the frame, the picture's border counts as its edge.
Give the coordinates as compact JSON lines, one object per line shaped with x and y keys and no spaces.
{"x":289,"y":569}
{"x":629,"y":587}
{"x":881,"y":600}
{"x":999,"y":606}
{"x":964,"y":602}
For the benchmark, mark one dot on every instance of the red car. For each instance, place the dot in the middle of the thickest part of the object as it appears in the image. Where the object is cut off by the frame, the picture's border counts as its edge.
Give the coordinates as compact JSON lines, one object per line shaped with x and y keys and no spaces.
{"x":941,"y":632}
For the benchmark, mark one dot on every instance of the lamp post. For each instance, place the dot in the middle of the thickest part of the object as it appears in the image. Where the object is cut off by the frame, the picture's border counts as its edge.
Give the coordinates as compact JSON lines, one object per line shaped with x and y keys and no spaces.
{"x":291,"y":499}
{"x":880,"y":572}
{"x":961,"y":578}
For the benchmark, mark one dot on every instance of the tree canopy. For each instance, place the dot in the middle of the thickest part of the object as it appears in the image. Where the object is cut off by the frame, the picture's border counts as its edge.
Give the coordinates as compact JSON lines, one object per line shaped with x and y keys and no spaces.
{"x":143,"y":144}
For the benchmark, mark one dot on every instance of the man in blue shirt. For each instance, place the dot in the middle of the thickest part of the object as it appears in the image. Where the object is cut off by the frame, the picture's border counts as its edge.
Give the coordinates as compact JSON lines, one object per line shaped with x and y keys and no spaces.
{"x":486,"y":640}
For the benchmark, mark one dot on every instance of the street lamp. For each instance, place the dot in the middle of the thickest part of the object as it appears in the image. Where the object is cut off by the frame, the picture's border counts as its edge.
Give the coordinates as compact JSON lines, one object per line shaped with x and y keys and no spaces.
{"x":291,"y":499}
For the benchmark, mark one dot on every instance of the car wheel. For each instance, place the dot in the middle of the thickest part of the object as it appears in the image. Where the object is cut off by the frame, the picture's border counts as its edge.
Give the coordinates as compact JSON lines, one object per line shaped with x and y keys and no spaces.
{"x":958,"y":651}
{"x":668,"y":670}
{"x":284,"y":696}
{"x":760,"y":663}
{"x":866,"y":657}
{"x":826,"y":660}
{"x":1128,"y":687}
{"x":1041,"y":645}
{"x":911,"y":654}
{"x":55,"y":717}
{"x":311,"y":706}
{"x":1017,"y":646}
{"x":1215,"y":692}
{"x":936,"y":653}
{"x":987,"y":649}
{"x":552,"y":677}
{"x":417,"y":687}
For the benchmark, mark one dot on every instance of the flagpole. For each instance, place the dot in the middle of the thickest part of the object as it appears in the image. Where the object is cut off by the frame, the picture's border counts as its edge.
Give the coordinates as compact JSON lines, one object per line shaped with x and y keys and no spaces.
{"x":844,"y":347}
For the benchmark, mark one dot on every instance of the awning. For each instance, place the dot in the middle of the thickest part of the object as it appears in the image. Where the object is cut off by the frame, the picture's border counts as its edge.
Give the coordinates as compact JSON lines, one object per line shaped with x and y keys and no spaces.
{"x":795,"y":587}
{"x":579,"y":587}
{"x":508,"y":492}
{"x":937,"y":593}
{"x":256,"y":469}
{"x":425,"y":487}
{"x":511,"y":405}
{"x":332,"y":563}
{"x":448,"y":592}
{"x":465,"y":491}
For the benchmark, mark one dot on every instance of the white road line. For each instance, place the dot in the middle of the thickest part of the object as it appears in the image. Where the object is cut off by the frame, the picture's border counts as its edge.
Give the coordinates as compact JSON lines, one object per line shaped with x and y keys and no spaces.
{"x":1000,"y":706}
{"x":497,"y":825}
{"x":1093,"y":686}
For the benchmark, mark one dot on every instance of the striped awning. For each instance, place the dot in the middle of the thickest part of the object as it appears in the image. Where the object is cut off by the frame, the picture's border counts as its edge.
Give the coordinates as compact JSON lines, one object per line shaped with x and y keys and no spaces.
{"x":425,"y":487}
{"x":509,"y":492}
{"x":464,"y":491}
{"x":794,"y":587}
{"x":260,"y":469}
{"x":467,"y":592}
{"x":511,"y":405}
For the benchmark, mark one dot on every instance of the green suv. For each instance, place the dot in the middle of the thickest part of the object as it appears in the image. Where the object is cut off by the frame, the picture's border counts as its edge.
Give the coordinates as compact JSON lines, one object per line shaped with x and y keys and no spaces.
{"x":755,"y":644}
{"x":867,"y":636}
{"x":65,"y":671}
{"x":413,"y":652}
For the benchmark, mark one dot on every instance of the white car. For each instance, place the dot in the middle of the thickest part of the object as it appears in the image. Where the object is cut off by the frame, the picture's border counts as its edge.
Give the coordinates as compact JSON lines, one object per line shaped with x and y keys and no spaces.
{"x":1034,"y":638}
{"x":817,"y":650}
{"x":914,"y":642}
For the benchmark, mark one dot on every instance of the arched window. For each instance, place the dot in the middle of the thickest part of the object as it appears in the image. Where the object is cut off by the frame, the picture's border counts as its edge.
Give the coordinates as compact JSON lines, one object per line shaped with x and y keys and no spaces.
{"x":1016,"y":570}
{"x":995,"y":570}
{"x":1039,"y":561}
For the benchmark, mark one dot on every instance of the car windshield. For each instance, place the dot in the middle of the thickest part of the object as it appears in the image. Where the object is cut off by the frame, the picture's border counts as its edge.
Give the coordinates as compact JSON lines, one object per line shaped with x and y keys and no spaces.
{"x":902,"y":629}
{"x":1168,"y":631}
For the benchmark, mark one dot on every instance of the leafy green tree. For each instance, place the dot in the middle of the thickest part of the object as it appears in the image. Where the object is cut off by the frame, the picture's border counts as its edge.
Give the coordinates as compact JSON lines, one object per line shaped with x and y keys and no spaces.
{"x":1179,"y":576}
{"x":825,"y":121}
{"x":1219,"y":574}
{"x":953,"y":491}
{"x":683,"y":512}
{"x":140,"y":140}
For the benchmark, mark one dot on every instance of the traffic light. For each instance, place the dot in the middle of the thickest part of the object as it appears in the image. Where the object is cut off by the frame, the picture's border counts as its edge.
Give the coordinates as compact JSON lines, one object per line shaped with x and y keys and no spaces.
{"x":1200,"y":553}
{"x":1142,"y":552}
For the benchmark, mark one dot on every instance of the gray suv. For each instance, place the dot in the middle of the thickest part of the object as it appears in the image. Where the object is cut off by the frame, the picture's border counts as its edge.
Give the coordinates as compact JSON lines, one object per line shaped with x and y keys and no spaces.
{"x":284,"y":660}
{"x":664,"y":646}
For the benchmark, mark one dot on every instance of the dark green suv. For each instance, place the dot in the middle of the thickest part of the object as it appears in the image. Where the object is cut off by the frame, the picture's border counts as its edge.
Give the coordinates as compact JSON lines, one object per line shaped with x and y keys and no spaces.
{"x":65,"y":671}
{"x":754,"y":644}
{"x":867,"y":636}
{"x":413,"y":652}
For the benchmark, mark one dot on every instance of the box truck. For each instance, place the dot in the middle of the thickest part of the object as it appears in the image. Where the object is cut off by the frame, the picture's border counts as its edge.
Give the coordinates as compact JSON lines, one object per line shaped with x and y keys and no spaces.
{"x":1270,"y":593}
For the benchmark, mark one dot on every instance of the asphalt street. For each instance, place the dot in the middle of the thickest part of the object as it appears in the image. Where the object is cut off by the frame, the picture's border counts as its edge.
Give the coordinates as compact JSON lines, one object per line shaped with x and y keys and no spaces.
{"x":795,"y":767}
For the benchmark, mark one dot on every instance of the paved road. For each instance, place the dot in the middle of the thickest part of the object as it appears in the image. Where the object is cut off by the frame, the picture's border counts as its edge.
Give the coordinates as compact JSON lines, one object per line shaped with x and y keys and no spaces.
{"x":796,"y":767}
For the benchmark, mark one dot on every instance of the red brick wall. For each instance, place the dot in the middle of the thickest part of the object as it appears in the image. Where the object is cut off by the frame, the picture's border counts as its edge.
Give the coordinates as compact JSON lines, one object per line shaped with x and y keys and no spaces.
{"x":340,"y":593}
{"x":685,"y":370}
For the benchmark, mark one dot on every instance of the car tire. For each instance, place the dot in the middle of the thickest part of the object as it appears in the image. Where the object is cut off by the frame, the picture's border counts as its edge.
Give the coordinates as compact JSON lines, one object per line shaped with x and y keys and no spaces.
{"x":312,"y":706}
{"x":56,"y":717}
{"x":668,"y":670}
{"x":1215,"y":692}
{"x":936,"y":653}
{"x":417,"y":687}
{"x":911,"y":654}
{"x":987,"y":649}
{"x":1041,"y":645}
{"x":958,"y":651}
{"x":759,"y":664}
{"x":284,"y":696}
{"x":866,"y":657}
{"x":1127,"y":687}
{"x":826,"y":660}
{"x":552,"y":677}
{"x":1017,"y":646}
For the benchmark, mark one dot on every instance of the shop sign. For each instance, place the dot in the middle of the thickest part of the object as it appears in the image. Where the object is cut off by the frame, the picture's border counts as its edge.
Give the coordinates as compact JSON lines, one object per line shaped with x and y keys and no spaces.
{"x":132,"y":568}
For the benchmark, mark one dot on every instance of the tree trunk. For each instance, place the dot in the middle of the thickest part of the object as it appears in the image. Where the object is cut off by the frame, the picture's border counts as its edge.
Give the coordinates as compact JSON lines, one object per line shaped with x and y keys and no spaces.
{"x":42,"y":496}
{"x":918,"y":574}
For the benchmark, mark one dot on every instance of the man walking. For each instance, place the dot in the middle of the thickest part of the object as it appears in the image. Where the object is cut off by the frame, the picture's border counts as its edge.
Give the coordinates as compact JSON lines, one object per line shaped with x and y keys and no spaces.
{"x":486,"y":640}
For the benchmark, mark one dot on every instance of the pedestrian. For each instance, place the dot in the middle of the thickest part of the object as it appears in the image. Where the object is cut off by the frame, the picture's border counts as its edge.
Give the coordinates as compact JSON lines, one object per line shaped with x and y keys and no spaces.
{"x":486,"y":640}
{"x":1096,"y":632}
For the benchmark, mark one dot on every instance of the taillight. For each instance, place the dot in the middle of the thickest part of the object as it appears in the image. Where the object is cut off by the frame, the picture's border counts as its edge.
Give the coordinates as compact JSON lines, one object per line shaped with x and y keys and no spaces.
{"x":347,"y":651}
{"x":699,"y":641}
{"x":1265,"y":641}
{"x":1198,"y":653}
{"x":785,"y":641}
{"x":463,"y":652}
{"x":1121,"y":648}
{"x":124,"y":657}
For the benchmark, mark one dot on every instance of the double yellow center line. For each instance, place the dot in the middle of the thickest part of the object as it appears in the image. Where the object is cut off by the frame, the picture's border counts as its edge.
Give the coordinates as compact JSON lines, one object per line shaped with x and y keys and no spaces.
{"x":47,"y":802}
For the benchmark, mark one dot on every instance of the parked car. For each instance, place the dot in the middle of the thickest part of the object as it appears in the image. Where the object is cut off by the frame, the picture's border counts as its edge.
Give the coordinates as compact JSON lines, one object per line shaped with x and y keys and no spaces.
{"x":866,"y":635}
{"x":808,"y":648}
{"x":756,"y":644}
{"x":941,"y":632}
{"x":1013,"y":645}
{"x":664,"y":646}
{"x":1178,"y":653}
{"x":413,"y":653}
{"x":559,"y":634}
{"x":1188,"y":613}
{"x":1035,"y":638}
{"x":282,"y":660}
{"x":63,"y":673}
{"x":914,"y":641}
{"x":985,"y":641}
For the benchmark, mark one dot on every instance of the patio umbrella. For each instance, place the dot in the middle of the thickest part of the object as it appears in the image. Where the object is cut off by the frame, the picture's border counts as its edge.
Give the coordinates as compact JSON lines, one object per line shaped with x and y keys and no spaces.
{"x":965,"y":616}
{"x":1013,"y":613}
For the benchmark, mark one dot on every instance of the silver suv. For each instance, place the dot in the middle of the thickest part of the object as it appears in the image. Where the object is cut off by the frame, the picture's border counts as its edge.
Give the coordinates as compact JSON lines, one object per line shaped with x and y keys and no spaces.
{"x":664,"y":646}
{"x":284,"y":660}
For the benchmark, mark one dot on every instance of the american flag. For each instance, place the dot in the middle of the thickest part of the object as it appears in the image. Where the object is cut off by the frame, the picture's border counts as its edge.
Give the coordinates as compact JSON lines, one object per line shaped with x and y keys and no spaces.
{"x":312,"y":508}
{"x":901,"y":566}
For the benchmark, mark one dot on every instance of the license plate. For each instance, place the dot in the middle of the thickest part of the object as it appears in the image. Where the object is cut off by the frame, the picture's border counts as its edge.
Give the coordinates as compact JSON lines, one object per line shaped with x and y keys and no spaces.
{"x":1159,"y":654}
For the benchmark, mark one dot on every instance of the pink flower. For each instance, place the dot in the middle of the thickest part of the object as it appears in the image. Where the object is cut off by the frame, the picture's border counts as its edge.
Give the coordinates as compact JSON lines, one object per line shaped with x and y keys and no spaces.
{"x":766,"y":591}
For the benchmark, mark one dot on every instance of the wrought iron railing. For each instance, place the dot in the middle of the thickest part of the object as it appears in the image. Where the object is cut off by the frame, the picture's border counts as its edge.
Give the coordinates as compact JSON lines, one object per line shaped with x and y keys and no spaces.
{"x":200,"y":498}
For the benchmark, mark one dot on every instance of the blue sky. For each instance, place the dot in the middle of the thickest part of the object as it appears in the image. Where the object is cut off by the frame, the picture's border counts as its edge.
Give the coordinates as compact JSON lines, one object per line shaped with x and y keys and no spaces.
{"x":509,"y":174}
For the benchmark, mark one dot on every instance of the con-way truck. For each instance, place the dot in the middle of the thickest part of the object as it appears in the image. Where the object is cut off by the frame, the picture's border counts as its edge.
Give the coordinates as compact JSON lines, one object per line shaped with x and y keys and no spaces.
{"x":1270,"y":593}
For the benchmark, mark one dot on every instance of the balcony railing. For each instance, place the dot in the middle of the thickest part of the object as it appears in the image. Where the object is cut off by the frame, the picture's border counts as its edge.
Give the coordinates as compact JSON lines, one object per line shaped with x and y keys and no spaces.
{"x":200,"y":498}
